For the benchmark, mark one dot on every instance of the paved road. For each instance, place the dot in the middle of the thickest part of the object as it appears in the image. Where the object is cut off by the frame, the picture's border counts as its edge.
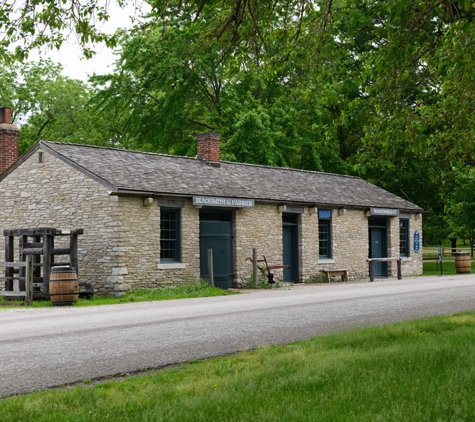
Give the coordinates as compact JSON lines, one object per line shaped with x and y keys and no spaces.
{"x":42,"y":348}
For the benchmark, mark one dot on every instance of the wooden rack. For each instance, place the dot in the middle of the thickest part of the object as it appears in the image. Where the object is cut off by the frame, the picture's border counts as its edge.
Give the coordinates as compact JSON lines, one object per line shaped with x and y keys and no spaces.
{"x":39,"y":243}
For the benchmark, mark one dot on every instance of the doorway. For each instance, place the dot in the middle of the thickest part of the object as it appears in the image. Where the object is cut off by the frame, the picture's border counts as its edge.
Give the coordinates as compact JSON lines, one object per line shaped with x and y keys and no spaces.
{"x":378,"y":244}
{"x":290,"y":242}
{"x":216,"y":234}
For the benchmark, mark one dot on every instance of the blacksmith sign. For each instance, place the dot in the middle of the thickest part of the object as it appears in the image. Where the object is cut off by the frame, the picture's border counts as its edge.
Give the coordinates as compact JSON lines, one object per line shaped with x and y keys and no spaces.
{"x":214,"y":201}
{"x":384,"y":212}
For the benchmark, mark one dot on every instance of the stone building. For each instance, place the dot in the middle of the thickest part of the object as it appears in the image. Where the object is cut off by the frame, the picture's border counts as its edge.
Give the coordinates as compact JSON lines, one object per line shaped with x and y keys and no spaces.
{"x":148,"y":219}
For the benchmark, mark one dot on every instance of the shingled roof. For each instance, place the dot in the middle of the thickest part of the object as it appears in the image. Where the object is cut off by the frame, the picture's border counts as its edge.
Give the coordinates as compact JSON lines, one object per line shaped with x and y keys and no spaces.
{"x":129,"y":172}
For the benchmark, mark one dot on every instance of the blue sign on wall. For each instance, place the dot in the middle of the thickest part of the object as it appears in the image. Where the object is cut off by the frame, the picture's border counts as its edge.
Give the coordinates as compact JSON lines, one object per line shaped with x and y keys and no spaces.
{"x":417,"y":239}
{"x":324,"y":214}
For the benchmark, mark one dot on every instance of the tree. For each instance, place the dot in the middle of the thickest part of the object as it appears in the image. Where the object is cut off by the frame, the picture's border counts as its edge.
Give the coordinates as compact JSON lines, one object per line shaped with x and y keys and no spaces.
{"x":382,"y":89}
{"x":460,"y":204}
{"x":31,"y":24}
{"x":51,"y":107}
{"x":253,"y":94}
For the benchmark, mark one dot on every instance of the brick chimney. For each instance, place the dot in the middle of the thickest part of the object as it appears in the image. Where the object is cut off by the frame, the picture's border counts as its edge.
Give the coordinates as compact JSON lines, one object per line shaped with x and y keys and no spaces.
{"x":8,"y":139}
{"x":209,"y":147}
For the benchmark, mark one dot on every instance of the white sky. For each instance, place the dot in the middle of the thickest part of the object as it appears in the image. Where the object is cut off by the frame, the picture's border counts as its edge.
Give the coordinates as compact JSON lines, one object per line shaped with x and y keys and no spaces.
{"x":70,"y":56}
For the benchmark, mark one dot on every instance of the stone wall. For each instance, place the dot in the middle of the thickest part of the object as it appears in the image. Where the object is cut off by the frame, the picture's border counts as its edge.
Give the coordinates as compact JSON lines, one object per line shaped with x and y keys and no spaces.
{"x":120,"y":248}
{"x":350,"y":244}
{"x":259,"y":228}
{"x":412,"y":265}
{"x":166,"y":274}
{"x":53,"y":194}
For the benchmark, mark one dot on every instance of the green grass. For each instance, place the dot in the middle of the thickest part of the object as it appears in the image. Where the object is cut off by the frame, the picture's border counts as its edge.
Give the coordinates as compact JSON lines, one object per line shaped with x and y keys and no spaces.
{"x":191,"y":289}
{"x":416,"y":371}
{"x":448,"y":267}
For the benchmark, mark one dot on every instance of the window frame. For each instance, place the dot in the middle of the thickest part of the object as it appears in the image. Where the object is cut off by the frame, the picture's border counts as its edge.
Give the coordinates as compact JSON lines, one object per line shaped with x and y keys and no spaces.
{"x":175,"y":240}
{"x":404,"y":244}
{"x":325,"y":221}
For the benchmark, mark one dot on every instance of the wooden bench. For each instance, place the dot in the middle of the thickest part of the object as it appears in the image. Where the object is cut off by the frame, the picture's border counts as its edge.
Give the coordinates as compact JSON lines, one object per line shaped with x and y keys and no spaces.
{"x":342,"y":273}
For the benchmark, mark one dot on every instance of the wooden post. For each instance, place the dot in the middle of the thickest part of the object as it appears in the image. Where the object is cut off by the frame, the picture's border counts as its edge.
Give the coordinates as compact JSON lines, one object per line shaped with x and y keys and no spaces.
{"x":48,"y":245}
{"x":371,"y":271}
{"x":210,"y":267}
{"x":9,"y":244}
{"x":254,"y":267}
{"x":23,"y":241}
{"x":73,"y":252}
{"x":29,"y":280}
{"x":37,"y":260}
{"x":399,"y":269}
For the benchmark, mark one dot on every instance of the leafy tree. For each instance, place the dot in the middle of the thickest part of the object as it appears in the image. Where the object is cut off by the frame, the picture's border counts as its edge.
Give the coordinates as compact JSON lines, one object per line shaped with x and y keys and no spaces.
{"x":31,"y":24}
{"x":51,"y":107}
{"x":261,"y":105}
{"x":460,"y":204}
{"x":384,"y":89}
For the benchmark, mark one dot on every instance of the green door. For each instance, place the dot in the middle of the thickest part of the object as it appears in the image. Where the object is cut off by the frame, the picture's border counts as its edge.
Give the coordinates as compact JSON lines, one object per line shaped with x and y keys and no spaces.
{"x":290,"y":252}
{"x":378,"y":248}
{"x":217,"y":236}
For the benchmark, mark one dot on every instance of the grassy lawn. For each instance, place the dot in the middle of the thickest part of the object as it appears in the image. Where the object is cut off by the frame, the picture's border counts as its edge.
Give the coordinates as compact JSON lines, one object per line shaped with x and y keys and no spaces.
{"x":432,"y":267}
{"x":448,"y":267}
{"x":415,"y":371}
{"x":195,"y":288}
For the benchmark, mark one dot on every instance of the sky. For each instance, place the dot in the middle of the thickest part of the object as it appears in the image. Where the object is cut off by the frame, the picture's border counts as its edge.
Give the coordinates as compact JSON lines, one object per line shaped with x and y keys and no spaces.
{"x":70,"y":56}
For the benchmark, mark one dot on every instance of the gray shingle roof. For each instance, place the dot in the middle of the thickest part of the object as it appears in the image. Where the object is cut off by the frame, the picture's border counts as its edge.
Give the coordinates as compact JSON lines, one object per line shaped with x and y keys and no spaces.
{"x":131,"y":171}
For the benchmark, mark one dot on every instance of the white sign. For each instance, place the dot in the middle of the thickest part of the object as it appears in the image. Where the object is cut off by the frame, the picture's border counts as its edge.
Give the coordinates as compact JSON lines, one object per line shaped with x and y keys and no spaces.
{"x":388,"y":212}
{"x":213,"y":201}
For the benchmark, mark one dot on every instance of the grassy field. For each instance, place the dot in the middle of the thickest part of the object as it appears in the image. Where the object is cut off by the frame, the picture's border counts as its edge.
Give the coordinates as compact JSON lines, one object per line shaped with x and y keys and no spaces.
{"x":448,"y":267}
{"x":195,"y":288}
{"x":432,"y":267}
{"x":416,"y":371}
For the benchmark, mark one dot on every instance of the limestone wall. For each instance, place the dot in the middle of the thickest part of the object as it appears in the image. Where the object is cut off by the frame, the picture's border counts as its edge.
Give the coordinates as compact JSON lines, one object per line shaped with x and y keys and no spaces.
{"x":413,"y":264}
{"x":120,"y":248}
{"x":350,"y":244}
{"x":52,"y":194}
{"x":165,"y":274}
{"x":260,"y":228}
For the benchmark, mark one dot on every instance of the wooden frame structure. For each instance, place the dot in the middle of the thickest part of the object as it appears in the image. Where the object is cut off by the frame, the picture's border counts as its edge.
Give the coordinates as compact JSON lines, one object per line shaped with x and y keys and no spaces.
{"x":371,"y":262}
{"x":40,"y":243}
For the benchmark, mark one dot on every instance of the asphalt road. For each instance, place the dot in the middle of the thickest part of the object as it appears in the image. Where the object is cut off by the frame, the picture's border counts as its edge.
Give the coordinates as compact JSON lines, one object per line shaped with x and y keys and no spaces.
{"x":42,"y":348}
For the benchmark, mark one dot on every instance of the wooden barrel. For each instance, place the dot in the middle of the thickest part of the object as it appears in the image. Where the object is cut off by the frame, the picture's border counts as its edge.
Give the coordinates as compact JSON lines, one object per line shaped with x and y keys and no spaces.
{"x":63,"y":286}
{"x":463,"y":264}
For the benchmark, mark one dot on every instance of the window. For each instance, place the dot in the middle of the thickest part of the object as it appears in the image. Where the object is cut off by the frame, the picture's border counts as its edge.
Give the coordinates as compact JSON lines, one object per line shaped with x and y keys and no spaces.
{"x":404,"y":237}
{"x":169,"y":235}
{"x":324,"y":233}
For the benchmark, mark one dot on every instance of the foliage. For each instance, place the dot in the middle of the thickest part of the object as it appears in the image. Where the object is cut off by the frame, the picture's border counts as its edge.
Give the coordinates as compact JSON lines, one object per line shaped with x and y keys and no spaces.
{"x":460,"y":204}
{"x":50,"y":107}
{"x":426,"y":366}
{"x":254,"y":96}
{"x":25,"y":25}
{"x":381,"y":89}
